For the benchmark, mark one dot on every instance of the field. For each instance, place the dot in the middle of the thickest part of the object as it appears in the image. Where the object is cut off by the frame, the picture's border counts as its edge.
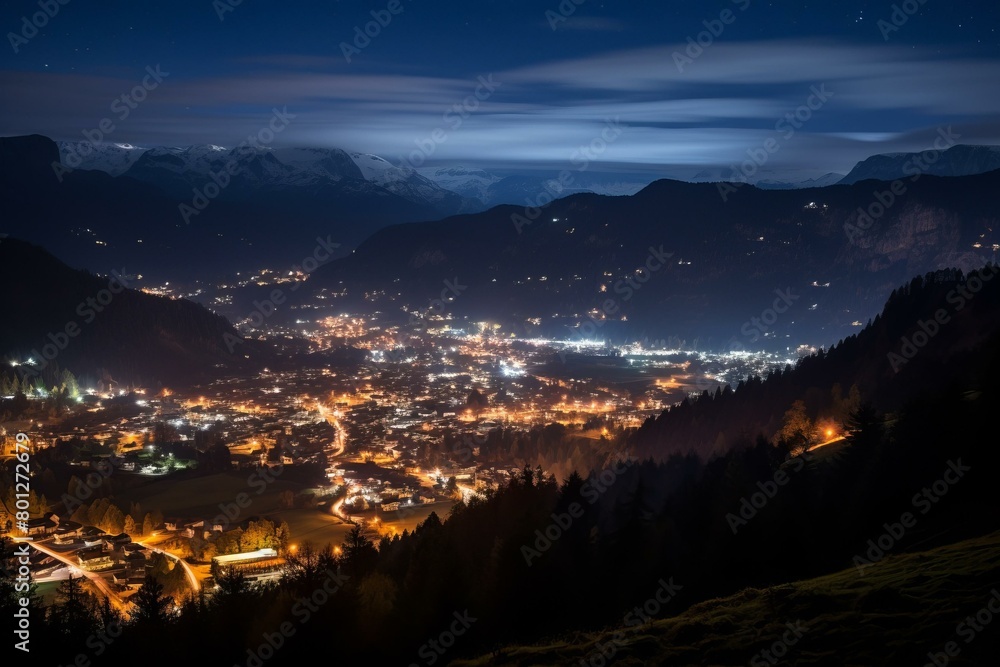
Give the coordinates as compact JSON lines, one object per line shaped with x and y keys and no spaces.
{"x":201,"y":497}
{"x":47,"y":591}
{"x":314,"y":526}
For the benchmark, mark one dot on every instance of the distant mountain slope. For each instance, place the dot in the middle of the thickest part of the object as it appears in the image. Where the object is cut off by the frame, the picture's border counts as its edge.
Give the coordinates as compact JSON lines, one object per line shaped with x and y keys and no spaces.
{"x":958,"y":160}
{"x":179,"y":170}
{"x":710,"y":265}
{"x":269,"y":213}
{"x":89,"y":324}
{"x":763,"y":179}
{"x":408,"y":183}
{"x":114,"y":159}
{"x":820,"y":182}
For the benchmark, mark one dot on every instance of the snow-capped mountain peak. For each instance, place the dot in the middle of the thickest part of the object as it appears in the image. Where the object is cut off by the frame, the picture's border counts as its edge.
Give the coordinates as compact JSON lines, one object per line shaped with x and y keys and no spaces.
{"x":113,"y":158}
{"x":379,"y":170}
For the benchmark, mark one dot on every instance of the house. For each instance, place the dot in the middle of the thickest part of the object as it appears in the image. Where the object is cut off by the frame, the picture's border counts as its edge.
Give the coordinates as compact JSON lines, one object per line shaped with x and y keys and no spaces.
{"x":390,"y":507}
{"x":182,"y":526}
{"x":135,"y":565}
{"x":120,"y":580}
{"x":64,"y":539}
{"x":244,"y":461}
{"x":67,"y":532}
{"x":114,"y":542}
{"x":42,"y":527}
{"x":134,"y":548}
{"x":94,"y":559}
{"x":92,"y":536}
{"x":71,"y":528}
{"x":46,"y":567}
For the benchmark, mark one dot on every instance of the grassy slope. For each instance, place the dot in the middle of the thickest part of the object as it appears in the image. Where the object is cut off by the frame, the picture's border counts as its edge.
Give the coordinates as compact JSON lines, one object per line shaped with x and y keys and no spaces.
{"x":902,"y":608}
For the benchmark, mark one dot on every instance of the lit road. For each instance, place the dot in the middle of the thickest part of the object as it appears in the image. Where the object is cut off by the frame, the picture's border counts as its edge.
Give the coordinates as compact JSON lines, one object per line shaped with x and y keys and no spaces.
{"x":339,"y":442}
{"x":100,"y":582}
{"x":338,"y":510}
{"x":191,"y":576}
{"x":824,"y":444}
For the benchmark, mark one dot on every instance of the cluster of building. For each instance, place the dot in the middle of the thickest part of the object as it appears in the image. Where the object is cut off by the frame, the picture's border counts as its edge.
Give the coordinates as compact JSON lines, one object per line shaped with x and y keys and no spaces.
{"x":118,"y":558}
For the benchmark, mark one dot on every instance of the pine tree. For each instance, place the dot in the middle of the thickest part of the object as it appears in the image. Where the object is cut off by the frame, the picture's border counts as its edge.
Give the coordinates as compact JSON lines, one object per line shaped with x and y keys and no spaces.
{"x":72,"y":616}
{"x":81,"y":514}
{"x":113,"y":521}
{"x":150,"y":604}
{"x":359,"y":552}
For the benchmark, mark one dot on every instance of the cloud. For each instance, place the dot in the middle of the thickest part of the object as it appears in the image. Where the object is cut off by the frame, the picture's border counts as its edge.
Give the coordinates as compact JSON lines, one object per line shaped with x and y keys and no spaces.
{"x":726,"y":102}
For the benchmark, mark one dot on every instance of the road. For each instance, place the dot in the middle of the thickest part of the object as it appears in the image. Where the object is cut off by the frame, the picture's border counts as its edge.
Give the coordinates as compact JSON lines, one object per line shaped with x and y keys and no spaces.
{"x":191,"y":576}
{"x":338,"y":510}
{"x":339,"y":441}
{"x":100,"y":582}
{"x":828,"y":442}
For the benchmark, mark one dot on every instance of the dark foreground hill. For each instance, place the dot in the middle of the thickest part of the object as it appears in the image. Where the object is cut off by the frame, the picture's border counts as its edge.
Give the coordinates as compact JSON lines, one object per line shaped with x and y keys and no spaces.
{"x":101,"y":330}
{"x":904,"y":610}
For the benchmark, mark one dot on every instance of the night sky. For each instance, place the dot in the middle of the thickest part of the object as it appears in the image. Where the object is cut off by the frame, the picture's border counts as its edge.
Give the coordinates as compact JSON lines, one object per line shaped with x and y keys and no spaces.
{"x":561,"y":77}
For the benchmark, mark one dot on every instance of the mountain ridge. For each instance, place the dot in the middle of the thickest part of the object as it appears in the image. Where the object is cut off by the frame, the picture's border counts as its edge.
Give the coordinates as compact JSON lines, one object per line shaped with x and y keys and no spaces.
{"x":958,"y":160}
{"x":730,"y":255}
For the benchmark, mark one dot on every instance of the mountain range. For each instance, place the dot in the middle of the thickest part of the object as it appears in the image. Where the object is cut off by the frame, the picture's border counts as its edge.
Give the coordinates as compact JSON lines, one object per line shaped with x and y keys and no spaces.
{"x":155,"y":210}
{"x":452,"y":189}
{"x":479,"y":187}
{"x":715,"y":265}
{"x":958,"y":160}
{"x":167,"y":217}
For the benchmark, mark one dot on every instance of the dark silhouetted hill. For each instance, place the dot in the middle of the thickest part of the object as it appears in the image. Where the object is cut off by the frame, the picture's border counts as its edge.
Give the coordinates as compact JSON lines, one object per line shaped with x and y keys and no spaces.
{"x":125,"y":338}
